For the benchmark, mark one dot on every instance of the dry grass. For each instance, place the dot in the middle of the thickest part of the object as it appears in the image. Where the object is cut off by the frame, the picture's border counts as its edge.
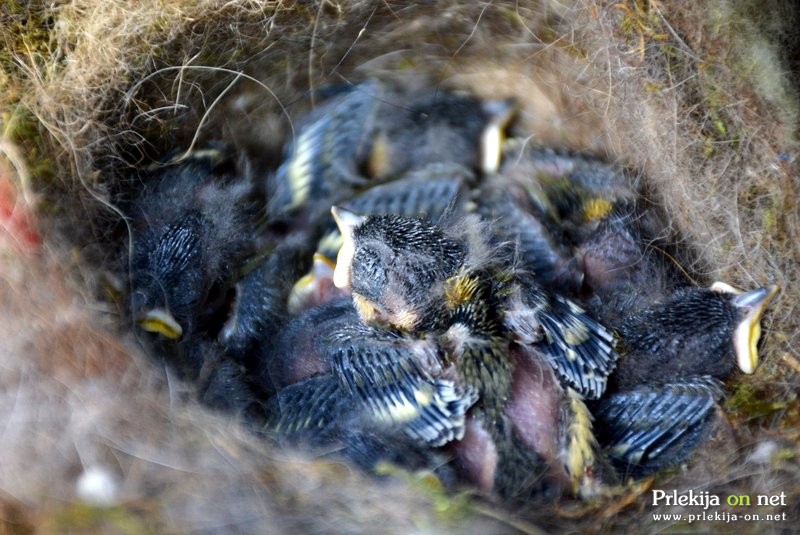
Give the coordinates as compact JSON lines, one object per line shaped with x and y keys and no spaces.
{"x":701,"y":100}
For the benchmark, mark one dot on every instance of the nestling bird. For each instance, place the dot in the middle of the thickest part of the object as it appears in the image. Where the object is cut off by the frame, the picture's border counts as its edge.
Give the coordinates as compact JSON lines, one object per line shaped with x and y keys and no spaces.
{"x":663,"y":394}
{"x":677,"y":341}
{"x":317,"y":414}
{"x":432,"y":191}
{"x":629,"y":262}
{"x":376,"y":131}
{"x":570,"y":193}
{"x":259,"y":309}
{"x":398,"y":382}
{"x":537,"y":250}
{"x":417,"y":128}
{"x":323,"y":158}
{"x":695,"y":332}
{"x":448,"y":283}
{"x":653,"y":426}
{"x":190,"y":225}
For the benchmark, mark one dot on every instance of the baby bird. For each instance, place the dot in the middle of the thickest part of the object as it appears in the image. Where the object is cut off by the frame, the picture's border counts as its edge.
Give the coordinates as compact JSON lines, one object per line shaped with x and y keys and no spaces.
{"x":397,"y":269}
{"x":663,"y":394}
{"x":637,"y":287}
{"x":694,"y":332}
{"x":397,"y":382}
{"x":322,"y":161}
{"x":433,"y":191}
{"x":570,"y":193}
{"x":629,"y":262}
{"x":319,"y":415}
{"x":416,"y":128}
{"x":191,"y":228}
{"x":374,"y":132}
{"x":678,"y":341}
{"x":447,"y":283}
{"x":259,"y":309}
{"x":507,"y":204}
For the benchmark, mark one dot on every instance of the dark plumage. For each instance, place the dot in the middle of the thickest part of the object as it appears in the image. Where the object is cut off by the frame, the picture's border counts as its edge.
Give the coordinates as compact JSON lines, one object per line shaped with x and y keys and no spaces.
{"x":444,"y":283}
{"x":536,"y":249}
{"x":662,"y":397}
{"x":414,"y":129}
{"x":650,"y":427}
{"x":629,"y":262}
{"x":402,"y":382}
{"x":377,"y":131}
{"x":395,"y":266}
{"x":570,"y":193}
{"x":323,"y":160}
{"x":191,"y":230}
{"x":432,"y":191}
{"x":677,"y":340}
{"x":259,"y":309}
{"x":392,"y":382}
{"x":322,"y":417}
{"x":694,"y":332}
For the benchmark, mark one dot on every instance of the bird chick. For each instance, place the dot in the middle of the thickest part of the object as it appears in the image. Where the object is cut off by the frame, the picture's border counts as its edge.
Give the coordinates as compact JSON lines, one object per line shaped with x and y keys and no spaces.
{"x":569,"y":193}
{"x":629,"y":262}
{"x":374,"y":132}
{"x":653,"y":426}
{"x":398,"y":270}
{"x":416,"y":128}
{"x":664,"y":393}
{"x":430,"y":280}
{"x":395,"y":267}
{"x":695,"y":332}
{"x":536,"y":249}
{"x":190,"y":226}
{"x":398,"y":381}
{"x":322,"y":161}
{"x":431,"y":191}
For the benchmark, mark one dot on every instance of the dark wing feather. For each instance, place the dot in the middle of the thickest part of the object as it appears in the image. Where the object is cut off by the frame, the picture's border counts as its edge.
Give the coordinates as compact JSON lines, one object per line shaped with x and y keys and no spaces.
{"x":392,"y":378}
{"x":654,"y":426}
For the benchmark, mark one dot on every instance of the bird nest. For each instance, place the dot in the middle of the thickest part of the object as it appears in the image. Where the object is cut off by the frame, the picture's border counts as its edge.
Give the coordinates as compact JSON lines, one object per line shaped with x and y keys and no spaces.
{"x":700,"y":102}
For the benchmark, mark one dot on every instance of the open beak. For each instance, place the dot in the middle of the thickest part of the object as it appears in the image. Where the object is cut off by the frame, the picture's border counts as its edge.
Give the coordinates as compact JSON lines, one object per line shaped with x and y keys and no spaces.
{"x":309,"y":286}
{"x":751,"y":306}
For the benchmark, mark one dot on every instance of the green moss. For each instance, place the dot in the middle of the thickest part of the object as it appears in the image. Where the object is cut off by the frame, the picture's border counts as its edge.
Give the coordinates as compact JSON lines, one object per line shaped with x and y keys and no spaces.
{"x":749,"y":402}
{"x":87,"y":519}
{"x":450,"y":508}
{"x":769,"y":220}
{"x":654,"y":87}
{"x":21,"y":126}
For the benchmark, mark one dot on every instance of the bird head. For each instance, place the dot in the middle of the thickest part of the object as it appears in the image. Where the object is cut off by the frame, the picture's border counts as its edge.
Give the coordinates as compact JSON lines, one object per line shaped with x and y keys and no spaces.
{"x":395,"y":266}
{"x":439,"y":126}
{"x":166,"y":277}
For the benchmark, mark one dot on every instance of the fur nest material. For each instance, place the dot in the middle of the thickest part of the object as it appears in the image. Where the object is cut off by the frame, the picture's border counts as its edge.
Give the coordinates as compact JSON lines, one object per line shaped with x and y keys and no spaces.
{"x":701,"y":101}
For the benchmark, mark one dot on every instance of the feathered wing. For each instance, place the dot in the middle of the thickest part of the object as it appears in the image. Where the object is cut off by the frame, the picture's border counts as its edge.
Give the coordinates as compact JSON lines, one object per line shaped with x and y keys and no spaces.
{"x":578,"y":347}
{"x":391,"y":376}
{"x":313,"y":409}
{"x":653,"y":426}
